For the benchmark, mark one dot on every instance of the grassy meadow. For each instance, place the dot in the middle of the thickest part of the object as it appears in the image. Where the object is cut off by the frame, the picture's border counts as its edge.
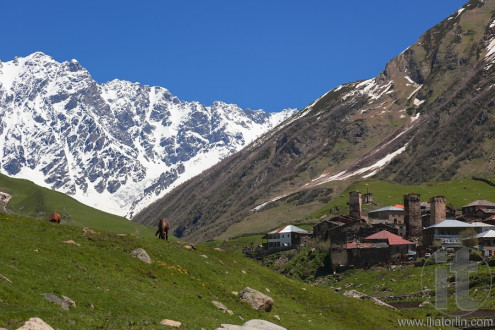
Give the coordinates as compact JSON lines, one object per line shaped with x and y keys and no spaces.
{"x":113,"y":290}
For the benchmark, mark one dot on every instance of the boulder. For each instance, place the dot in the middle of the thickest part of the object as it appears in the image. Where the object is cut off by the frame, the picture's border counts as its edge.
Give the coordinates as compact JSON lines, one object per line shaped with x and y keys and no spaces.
{"x":256,"y":299}
{"x":53,"y":298}
{"x":69,"y":301}
{"x":252,"y":325}
{"x":86,"y":230}
{"x":71,"y":242}
{"x":222,"y":307}
{"x":35,"y":323}
{"x":171,"y":323}
{"x":141,"y":255}
{"x":262,"y":324}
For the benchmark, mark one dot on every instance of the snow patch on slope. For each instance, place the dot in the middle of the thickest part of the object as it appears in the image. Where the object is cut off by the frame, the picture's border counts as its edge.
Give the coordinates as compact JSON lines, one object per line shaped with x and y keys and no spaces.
{"x":367,"y":171}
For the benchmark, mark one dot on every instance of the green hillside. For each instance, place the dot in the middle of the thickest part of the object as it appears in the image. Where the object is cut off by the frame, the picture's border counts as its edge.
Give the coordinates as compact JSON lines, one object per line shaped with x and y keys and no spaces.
{"x":111,"y":289}
{"x":36,"y":202}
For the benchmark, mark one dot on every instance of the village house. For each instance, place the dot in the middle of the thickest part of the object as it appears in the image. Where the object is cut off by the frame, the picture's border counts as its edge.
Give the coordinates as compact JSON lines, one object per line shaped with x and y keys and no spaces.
{"x":447,"y":233}
{"x":285,"y":237}
{"x":483,"y":214}
{"x":479,"y":204}
{"x":321,"y":231}
{"x":387,"y":214}
{"x":392,"y":215}
{"x":381,"y":247}
{"x":486,"y":242}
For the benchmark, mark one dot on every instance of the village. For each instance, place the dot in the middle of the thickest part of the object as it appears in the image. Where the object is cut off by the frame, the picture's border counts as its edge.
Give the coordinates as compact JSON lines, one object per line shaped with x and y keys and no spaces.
{"x":392,"y":234}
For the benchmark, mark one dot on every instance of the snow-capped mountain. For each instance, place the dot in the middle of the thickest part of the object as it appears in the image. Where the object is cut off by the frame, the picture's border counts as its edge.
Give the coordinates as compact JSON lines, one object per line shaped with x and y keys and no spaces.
{"x":116,"y":146}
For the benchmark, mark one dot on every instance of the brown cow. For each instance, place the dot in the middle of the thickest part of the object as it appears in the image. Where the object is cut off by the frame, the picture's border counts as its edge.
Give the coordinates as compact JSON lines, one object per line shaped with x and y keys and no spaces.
{"x":163,"y":227}
{"x":55,"y":217}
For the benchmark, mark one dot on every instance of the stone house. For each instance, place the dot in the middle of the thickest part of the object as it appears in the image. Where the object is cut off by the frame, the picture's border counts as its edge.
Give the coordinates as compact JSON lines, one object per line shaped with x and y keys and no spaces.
{"x":471,"y":208}
{"x":388,"y":214}
{"x":321,"y":230}
{"x":381,"y":247}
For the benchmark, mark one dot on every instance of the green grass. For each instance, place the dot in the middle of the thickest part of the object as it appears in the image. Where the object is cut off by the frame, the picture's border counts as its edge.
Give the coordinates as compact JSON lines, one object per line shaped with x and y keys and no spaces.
{"x":394,"y":281}
{"x":37,"y":202}
{"x":457,"y":192}
{"x":180,"y":284}
{"x":235,"y":245}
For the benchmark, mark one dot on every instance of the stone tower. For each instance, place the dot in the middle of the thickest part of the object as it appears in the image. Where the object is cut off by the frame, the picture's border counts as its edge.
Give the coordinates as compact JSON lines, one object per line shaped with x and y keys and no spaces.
{"x":438,"y":212}
{"x":355,"y":204}
{"x":412,"y":215}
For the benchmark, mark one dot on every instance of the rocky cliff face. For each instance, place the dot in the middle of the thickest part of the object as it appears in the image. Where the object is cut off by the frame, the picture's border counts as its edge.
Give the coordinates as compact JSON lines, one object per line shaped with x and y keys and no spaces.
{"x":115,"y":146}
{"x":429,"y":115}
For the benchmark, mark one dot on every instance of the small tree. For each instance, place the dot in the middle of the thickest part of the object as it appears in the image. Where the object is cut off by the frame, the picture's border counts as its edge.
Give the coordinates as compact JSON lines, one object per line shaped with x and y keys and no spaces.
{"x":468,"y":238}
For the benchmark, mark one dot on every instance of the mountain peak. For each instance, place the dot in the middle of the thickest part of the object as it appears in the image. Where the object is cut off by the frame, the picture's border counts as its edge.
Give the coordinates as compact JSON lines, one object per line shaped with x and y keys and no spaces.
{"x":116,"y":146}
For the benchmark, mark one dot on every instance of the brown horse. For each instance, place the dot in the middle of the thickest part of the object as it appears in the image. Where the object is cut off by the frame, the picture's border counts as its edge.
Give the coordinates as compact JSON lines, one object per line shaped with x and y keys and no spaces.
{"x":163,"y":227}
{"x":55,"y":217}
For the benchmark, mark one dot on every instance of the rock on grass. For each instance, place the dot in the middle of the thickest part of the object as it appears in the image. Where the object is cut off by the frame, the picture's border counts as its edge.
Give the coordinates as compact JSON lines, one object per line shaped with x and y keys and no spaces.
{"x":35,"y":323}
{"x":257,"y":300}
{"x":141,"y":255}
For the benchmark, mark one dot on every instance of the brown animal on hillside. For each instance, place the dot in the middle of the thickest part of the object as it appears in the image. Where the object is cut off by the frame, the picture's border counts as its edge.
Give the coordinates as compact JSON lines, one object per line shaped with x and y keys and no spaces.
{"x":163,"y":227}
{"x":55,"y":217}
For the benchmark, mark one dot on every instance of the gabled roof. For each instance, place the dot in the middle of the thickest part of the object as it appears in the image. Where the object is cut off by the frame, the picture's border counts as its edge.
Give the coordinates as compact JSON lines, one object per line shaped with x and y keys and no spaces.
{"x":387,"y":208}
{"x":487,"y":234}
{"x":480,"y":202}
{"x":289,"y":229}
{"x":450,"y":223}
{"x":391,"y":238}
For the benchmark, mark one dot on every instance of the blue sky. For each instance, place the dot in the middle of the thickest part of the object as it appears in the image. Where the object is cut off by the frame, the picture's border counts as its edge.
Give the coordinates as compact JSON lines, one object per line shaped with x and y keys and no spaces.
{"x":268,"y":54}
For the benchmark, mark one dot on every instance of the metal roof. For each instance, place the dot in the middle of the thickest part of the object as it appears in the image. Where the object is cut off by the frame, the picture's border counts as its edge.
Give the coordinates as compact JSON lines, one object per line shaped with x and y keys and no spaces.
{"x":289,"y":229}
{"x":487,"y":234}
{"x":450,"y":223}
{"x":387,"y":208}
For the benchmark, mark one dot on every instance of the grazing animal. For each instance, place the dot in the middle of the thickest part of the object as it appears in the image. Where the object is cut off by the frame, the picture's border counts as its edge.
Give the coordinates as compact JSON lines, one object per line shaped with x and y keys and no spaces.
{"x":163,"y":227}
{"x":55,"y":217}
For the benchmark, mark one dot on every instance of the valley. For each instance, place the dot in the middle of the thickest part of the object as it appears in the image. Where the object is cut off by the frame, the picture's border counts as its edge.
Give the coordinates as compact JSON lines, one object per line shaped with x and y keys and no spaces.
{"x":373,"y":207}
